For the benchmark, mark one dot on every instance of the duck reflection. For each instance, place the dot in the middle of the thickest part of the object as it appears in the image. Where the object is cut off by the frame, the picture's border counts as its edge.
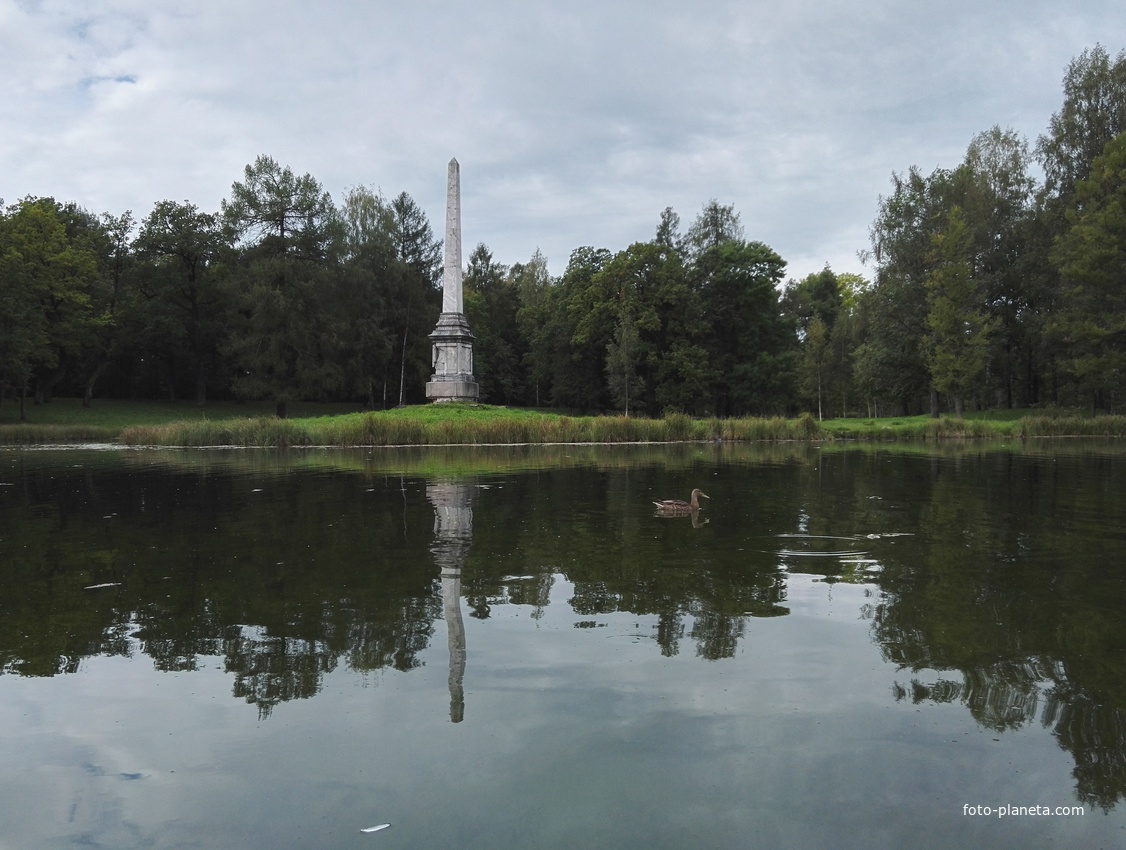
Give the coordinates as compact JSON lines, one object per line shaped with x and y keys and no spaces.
{"x":453,"y":535}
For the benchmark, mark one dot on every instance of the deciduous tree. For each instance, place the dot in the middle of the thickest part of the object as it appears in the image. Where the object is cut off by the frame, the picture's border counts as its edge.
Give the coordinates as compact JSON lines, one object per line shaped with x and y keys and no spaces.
{"x":185,"y":307}
{"x":1090,"y":325}
{"x":959,"y":325}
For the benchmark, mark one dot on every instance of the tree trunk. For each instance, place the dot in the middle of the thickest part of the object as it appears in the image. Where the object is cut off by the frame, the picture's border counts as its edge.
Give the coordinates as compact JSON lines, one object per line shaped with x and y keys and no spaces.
{"x":200,"y":382}
{"x":279,"y":411}
{"x":402,"y":367}
{"x":88,"y":395}
{"x":44,"y":386}
{"x":934,"y":403}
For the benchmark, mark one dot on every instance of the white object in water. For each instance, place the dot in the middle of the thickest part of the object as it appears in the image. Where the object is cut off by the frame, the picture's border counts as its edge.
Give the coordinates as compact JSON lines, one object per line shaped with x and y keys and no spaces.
{"x":376,"y":828}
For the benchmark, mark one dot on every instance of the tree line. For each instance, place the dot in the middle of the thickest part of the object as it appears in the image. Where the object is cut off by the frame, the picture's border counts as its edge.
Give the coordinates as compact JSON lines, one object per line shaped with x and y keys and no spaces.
{"x":990,"y":288}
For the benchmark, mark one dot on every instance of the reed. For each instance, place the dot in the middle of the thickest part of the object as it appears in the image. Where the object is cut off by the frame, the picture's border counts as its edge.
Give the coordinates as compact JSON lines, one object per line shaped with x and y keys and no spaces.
{"x":29,"y":434}
{"x":473,"y":424}
{"x":1072,"y":426}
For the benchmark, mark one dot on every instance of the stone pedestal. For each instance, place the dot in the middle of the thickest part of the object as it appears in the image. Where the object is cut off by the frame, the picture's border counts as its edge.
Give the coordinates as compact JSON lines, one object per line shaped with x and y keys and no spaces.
{"x":453,"y":360}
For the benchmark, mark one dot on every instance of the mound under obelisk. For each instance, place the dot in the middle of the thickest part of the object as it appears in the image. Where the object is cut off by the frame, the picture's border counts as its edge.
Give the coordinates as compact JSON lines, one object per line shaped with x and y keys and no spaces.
{"x":452,"y":342}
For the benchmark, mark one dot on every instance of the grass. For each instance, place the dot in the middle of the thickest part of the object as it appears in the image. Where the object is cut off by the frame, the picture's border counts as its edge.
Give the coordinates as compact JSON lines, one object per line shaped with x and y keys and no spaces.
{"x":456,"y":424}
{"x":311,"y":424}
{"x":65,"y":420}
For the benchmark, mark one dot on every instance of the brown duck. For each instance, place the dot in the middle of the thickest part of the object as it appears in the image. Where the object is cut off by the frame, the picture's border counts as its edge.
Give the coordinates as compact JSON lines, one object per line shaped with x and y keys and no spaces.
{"x":679,"y":506}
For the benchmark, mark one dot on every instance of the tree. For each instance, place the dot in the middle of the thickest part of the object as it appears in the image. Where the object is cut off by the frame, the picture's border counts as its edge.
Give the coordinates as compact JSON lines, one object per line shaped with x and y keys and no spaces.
{"x":668,"y":231}
{"x":413,"y":307}
{"x":714,"y":225}
{"x":278,"y":214}
{"x":1090,"y":326}
{"x":750,"y":346}
{"x":645,"y":289}
{"x":24,"y":342}
{"x":184,"y":303}
{"x":995,"y":200}
{"x":815,"y":350}
{"x":286,"y":229}
{"x":373,"y":275}
{"x":1093,"y":113}
{"x":816,"y":296}
{"x":46,"y":277}
{"x":111,"y":295}
{"x":623,"y":355}
{"x":890,"y":362}
{"x":492,"y":303}
{"x":567,"y":331}
{"x":959,"y":326}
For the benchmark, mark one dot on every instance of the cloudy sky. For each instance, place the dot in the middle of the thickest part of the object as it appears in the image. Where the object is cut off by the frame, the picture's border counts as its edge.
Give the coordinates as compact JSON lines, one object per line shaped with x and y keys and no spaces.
{"x":575,"y":123}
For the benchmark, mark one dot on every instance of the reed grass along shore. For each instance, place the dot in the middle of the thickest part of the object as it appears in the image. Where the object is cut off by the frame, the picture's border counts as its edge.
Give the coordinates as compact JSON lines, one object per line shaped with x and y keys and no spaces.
{"x":479,"y":424}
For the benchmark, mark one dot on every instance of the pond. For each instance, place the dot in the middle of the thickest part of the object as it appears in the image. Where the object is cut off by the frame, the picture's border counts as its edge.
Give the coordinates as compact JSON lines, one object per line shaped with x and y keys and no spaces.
{"x":847,"y":646}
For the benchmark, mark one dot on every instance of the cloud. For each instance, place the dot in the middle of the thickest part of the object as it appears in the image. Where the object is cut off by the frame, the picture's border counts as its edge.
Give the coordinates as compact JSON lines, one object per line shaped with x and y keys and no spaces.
{"x":574,"y":123}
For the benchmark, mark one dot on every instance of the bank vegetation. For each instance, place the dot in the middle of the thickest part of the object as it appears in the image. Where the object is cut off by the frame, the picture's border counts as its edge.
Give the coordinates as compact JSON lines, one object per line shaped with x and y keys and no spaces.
{"x":478,"y":424}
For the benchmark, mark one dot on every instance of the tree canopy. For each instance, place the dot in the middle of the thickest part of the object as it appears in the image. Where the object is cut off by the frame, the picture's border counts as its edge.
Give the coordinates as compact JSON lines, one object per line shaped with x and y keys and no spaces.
{"x":987,"y":289}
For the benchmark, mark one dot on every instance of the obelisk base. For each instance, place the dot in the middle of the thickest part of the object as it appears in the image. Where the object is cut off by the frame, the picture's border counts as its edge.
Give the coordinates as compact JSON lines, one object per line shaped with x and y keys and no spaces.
{"x":453,"y":361}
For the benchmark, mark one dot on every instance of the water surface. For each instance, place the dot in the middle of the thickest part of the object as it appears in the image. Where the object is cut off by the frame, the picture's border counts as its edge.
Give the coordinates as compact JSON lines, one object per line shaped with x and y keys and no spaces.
{"x":507,"y":648}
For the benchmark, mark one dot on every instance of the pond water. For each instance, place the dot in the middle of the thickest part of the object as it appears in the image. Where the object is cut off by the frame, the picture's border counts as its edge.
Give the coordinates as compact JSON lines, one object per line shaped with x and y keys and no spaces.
{"x":848,"y":646}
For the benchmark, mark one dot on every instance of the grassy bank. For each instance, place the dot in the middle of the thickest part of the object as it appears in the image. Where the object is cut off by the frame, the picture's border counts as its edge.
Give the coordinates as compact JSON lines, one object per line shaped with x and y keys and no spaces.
{"x":452,"y":424}
{"x":65,"y":420}
{"x":231,"y":424}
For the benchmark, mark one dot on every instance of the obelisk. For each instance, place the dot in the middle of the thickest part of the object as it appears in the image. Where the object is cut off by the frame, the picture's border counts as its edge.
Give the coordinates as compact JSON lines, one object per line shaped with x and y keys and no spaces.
{"x":452,"y":342}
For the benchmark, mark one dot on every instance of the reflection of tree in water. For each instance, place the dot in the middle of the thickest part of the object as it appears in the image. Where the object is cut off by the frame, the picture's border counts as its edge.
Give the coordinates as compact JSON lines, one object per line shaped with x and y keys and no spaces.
{"x":270,"y":669}
{"x":1010,"y":696}
{"x":316,"y":597}
{"x":1024,"y":608}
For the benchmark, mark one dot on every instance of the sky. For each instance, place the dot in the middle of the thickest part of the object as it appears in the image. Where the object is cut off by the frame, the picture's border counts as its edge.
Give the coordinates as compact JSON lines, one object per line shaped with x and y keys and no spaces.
{"x":575,"y":123}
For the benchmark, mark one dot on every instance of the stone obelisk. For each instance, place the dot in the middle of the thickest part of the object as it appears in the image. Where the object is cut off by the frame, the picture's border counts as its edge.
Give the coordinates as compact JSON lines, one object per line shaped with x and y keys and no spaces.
{"x":452,"y":342}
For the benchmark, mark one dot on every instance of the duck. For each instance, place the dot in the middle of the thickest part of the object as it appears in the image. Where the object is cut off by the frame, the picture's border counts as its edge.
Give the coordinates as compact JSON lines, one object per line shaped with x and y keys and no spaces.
{"x":679,"y":506}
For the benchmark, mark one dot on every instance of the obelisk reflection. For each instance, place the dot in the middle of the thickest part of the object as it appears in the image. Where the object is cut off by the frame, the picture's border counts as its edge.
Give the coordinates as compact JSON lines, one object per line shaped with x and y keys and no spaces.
{"x":453,"y":535}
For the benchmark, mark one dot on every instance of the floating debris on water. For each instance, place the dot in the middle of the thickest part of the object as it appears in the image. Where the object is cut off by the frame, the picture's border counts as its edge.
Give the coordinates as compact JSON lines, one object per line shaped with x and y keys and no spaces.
{"x":376,"y":828}
{"x":791,"y":553}
{"x":104,"y":584}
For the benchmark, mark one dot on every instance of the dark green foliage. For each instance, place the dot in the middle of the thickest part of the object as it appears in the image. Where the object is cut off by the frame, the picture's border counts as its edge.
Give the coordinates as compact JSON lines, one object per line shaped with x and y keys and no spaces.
{"x":184,"y":308}
{"x":959,"y":329}
{"x":492,"y":301}
{"x":1093,"y":113}
{"x":1089,"y":328}
{"x":285,"y":343}
{"x":750,"y":345}
{"x":49,"y":268}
